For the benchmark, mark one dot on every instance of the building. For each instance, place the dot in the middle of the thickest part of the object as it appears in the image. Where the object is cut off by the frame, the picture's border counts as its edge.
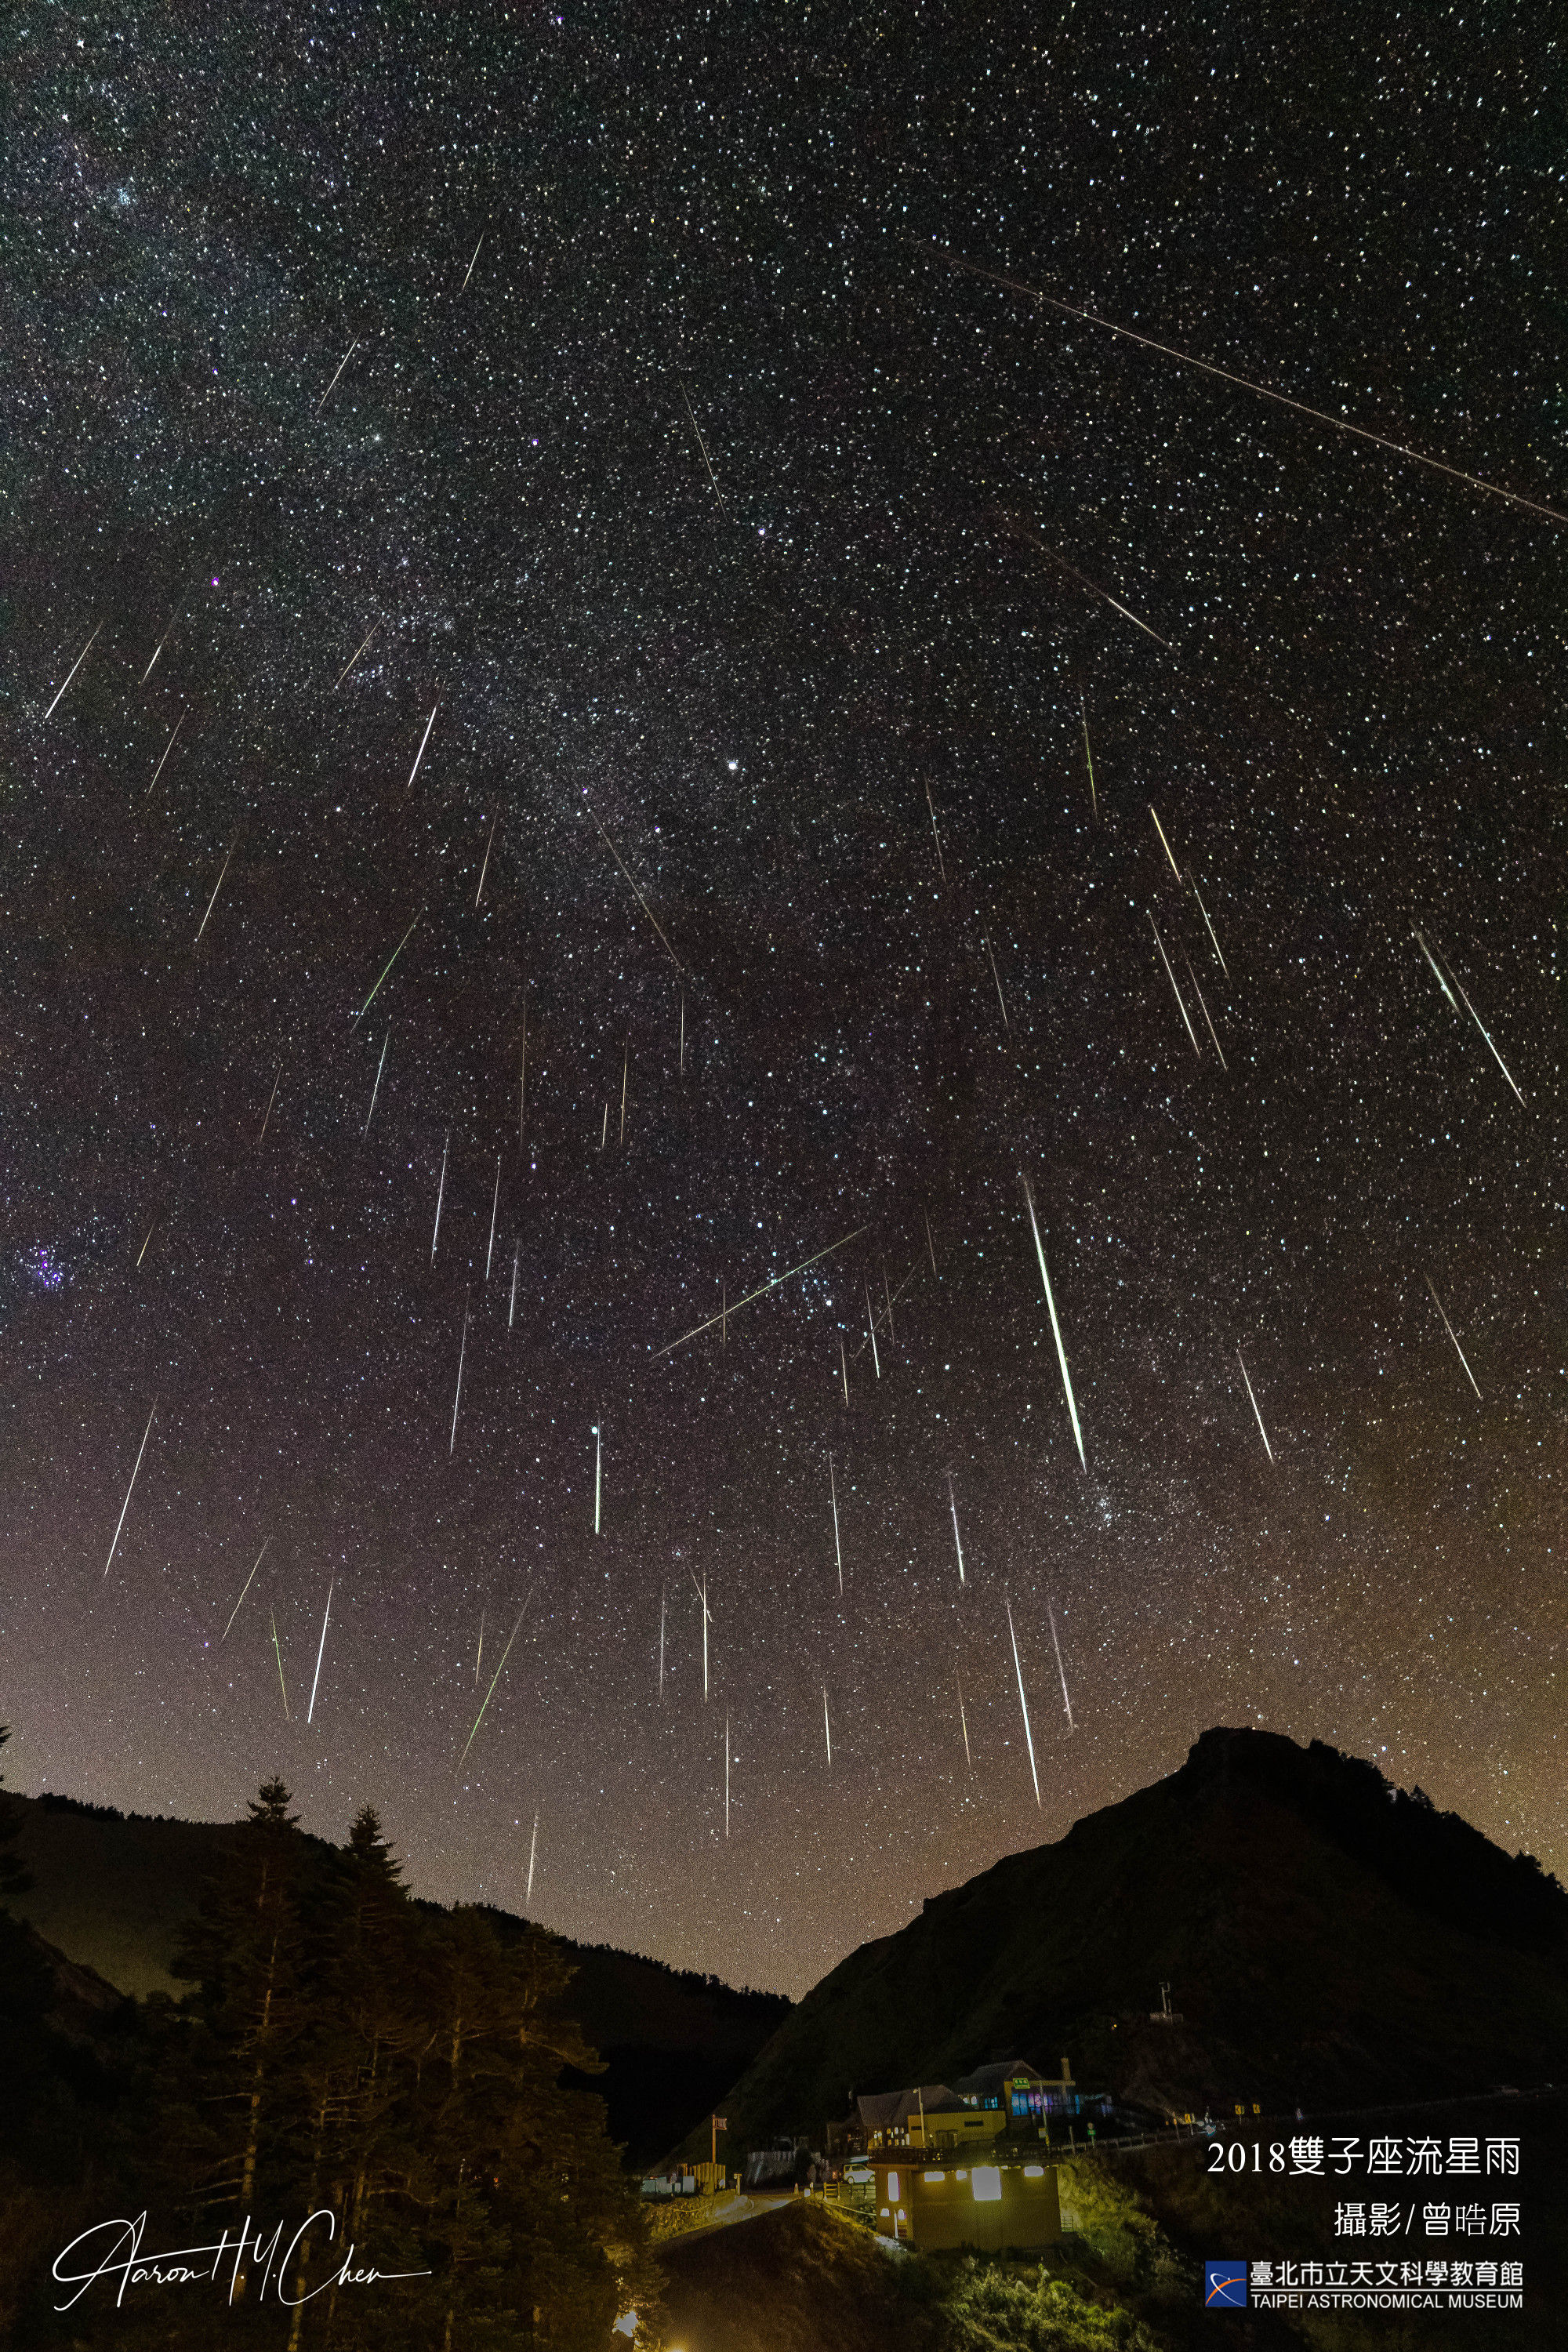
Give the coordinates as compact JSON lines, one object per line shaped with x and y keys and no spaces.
{"x":1010,"y":2202}
{"x":1016,"y":2090}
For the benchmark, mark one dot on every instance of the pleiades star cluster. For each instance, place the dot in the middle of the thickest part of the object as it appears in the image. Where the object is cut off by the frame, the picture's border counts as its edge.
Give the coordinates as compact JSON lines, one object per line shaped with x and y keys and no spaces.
{"x":592,"y":715}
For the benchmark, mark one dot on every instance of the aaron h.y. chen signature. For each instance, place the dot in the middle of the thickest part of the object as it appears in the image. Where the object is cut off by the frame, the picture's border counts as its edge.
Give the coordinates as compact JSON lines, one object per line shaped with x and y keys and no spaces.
{"x":113,"y":2250}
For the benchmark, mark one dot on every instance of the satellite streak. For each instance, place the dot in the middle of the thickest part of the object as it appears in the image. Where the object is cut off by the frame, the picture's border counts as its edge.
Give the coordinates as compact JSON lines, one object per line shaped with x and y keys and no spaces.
{"x":957,"y":1541}
{"x":390,"y":959}
{"x":1056,"y":1327}
{"x":167,"y":749}
{"x":1171,"y":976}
{"x":457,"y":1399}
{"x":321,"y":1652}
{"x":1060,"y":1668}
{"x":1261,"y":1431}
{"x":1452,"y":1334}
{"x":1023,"y":1703}
{"x":240,"y":1603}
{"x":1266,"y":392}
{"x":1210,"y":927}
{"x":376,"y":1088}
{"x":130,"y":1490}
{"x":1163,"y":843}
{"x":762,"y":1291}
{"x":490,"y":1694}
{"x":837,"y":1547}
{"x":355,"y":654}
{"x":430,"y":722}
{"x":74,"y":667}
{"x":440,"y":1195}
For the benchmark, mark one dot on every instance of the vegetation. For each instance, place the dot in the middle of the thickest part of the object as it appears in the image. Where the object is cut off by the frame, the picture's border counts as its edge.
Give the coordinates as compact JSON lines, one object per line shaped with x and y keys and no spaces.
{"x":342,"y":2048}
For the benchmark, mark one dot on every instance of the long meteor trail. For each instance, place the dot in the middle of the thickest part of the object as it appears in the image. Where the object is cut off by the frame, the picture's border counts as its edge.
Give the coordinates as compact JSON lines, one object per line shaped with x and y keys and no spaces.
{"x":75,"y":666}
{"x":240,"y":1603}
{"x":761,"y":1292}
{"x":490,"y":1694}
{"x":837,"y":1547}
{"x":1056,"y":1327}
{"x":1176,"y":991}
{"x":1246,"y":383}
{"x":321,"y":1652}
{"x":1023,"y":1702}
{"x":1061,"y":1670}
{"x":386,"y":966}
{"x":130,"y":1490}
{"x":957,"y":1542}
{"x":1257,"y":1416}
{"x":1452,"y":1333}
{"x":637,"y":894}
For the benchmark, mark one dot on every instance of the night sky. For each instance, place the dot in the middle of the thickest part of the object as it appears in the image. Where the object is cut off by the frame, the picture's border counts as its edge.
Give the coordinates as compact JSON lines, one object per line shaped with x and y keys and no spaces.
{"x":721,"y":520}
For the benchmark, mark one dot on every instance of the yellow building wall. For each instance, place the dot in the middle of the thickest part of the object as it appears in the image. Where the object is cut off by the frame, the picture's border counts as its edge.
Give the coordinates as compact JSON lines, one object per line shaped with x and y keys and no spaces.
{"x":946,"y":2211}
{"x":960,"y":2124}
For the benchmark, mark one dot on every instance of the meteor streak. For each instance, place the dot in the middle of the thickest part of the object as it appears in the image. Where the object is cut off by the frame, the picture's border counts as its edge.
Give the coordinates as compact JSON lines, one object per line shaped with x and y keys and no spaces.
{"x":1088,"y":755}
{"x":703,"y":446}
{"x":240,"y":1603}
{"x":1023,"y":1703}
{"x":167,"y":749}
{"x":212,"y":902}
{"x":1198,"y":992}
{"x":1436,"y":970}
{"x":941,"y":862}
{"x":1476,"y":1017}
{"x":277,"y":1654}
{"x":1000,"y":998}
{"x":957,"y":1543}
{"x":637,"y":894}
{"x":599,"y":1474}
{"x":457,"y":1399}
{"x":762,"y":1290}
{"x":523,"y":1071}
{"x":341,"y":364}
{"x":440,"y":1195}
{"x":663,"y":1610}
{"x":1205,"y":913}
{"x":376,"y":1088}
{"x":485,"y":868}
{"x":479,"y":1653}
{"x":489,"y":1694}
{"x":267,"y":1114}
{"x":1060,"y":1668}
{"x":931,"y":1247}
{"x":843,"y":1366}
{"x":495,"y":1204}
{"x":683,"y":1033}
{"x":1163,"y":843}
{"x":470,"y":271}
{"x":1056,"y":1327}
{"x":1171,"y":976}
{"x":390,"y":959}
{"x":871,"y":1327}
{"x":355,"y":654}
{"x":143,"y":1251}
{"x":1266,"y":392}
{"x":430,"y":722}
{"x":130,"y":1491}
{"x":511,"y":1310}
{"x":626,"y":1065}
{"x":532,"y":1851}
{"x":75,"y":666}
{"x":837,"y":1547}
{"x":159,"y":646}
{"x":702,"y":1591}
{"x":964,"y":1721}
{"x":726,"y":1778}
{"x":321,"y":1652}
{"x":1261,"y":1431}
{"x":1024,"y":531}
{"x":827,"y":1728}
{"x":1452,"y":1333}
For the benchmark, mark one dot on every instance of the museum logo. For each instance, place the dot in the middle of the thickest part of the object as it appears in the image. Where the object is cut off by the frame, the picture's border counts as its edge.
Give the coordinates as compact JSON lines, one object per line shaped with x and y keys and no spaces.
{"x":1225,"y":2286}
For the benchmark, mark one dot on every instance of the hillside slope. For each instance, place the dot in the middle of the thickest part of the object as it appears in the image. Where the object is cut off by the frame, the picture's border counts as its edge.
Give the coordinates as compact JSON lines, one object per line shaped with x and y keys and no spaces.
{"x":1326,"y":1938}
{"x":113,"y":1893}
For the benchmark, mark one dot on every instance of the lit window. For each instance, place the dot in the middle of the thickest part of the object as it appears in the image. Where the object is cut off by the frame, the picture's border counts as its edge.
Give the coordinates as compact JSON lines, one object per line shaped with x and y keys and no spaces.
{"x":884,"y":2212}
{"x":1034,"y":2172}
{"x":987,"y":2183}
{"x":893,"y":2186}
{"x":933,"y":2176}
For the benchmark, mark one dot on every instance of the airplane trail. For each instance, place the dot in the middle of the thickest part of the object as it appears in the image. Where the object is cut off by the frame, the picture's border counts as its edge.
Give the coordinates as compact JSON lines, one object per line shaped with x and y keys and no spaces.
{"x":762,"y":1291}
{"x":1261,"y":1431}
{"x":1023,"y":1702}
{"x":1266,"y":392}
{"x":637,"y":894}
{"x":75,"y":666}
{"x":490,"y":1694}
{"x":320,"y":1652}
{"x":1056,"y":1327}
{"x":1452,"y":1334}
{"x":957,"y":1543}
{"x":390,"y":959}
{"x":1176,"y":991}
{"x":130,"y":1490}
{"x":240,"y":1603}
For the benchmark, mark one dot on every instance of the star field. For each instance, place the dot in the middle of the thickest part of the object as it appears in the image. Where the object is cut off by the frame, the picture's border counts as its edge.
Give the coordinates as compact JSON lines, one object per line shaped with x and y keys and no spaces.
{"x":748,"y":588}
